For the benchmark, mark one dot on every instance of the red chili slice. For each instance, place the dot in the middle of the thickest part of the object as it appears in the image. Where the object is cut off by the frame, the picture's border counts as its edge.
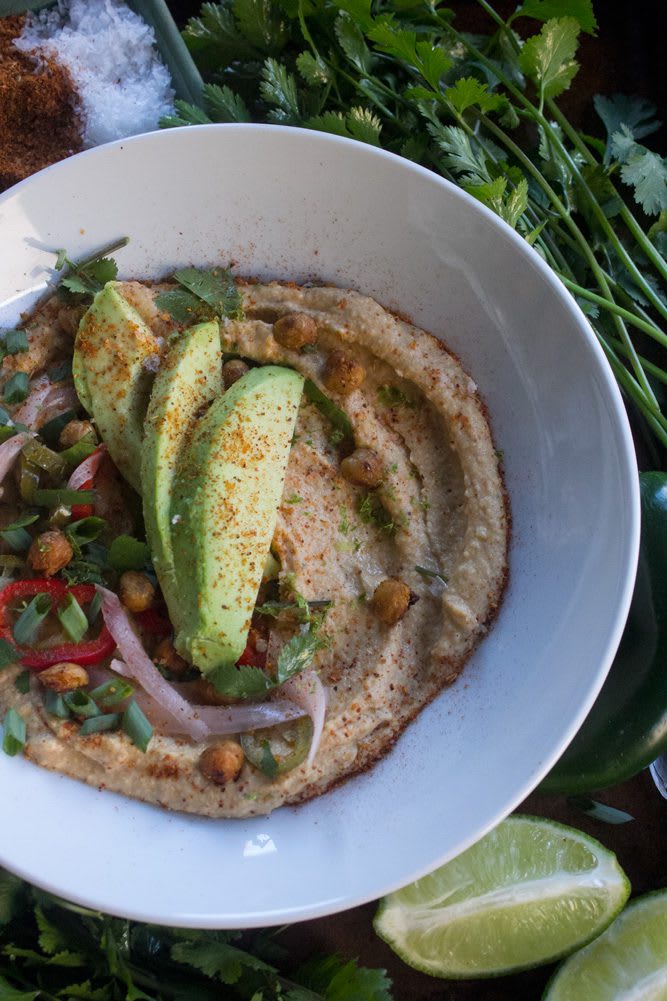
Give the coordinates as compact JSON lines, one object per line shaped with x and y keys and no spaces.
{"x":85,"y":653}
{"x":83,"y":510}
{"x":154,"y":621}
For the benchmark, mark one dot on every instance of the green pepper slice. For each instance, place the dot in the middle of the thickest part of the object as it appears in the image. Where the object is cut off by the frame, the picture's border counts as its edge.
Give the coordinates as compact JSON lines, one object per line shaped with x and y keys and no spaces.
{"x":627,"y":727}
{"x":275,"y":750}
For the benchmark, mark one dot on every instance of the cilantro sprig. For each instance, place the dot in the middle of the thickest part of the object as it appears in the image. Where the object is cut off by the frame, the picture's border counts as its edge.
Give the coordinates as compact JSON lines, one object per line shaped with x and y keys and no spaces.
{"x":88,"y":276}
{"x":202,"y":295}
{"x":481,"y":110}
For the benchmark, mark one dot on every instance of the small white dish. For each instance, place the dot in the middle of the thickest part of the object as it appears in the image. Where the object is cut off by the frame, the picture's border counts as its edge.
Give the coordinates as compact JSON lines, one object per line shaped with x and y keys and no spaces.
{"x":291,"y":204}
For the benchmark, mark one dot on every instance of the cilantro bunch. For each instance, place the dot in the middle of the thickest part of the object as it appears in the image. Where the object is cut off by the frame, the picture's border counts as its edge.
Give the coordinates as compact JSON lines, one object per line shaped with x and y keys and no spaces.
{"x":50,"y":950}
{"x":482,"y":111}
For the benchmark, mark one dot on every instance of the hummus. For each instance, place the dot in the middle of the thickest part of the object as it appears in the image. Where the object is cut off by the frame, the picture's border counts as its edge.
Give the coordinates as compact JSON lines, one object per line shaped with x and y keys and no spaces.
{"x":437,"y":521}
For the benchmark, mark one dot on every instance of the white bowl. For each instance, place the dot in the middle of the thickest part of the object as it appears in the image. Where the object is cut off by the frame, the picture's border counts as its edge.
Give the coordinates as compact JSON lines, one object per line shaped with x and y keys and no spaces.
{"x":291,"y":204}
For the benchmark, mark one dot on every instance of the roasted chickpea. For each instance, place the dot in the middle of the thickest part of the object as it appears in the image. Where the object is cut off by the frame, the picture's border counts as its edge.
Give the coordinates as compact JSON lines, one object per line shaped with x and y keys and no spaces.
{"x":391,"y":600}
{"x":364,"y":468}
{"x":50,"y":552}
{"x":75,"y":431}
{"x":342,"y":374}
{"x":232,"y":371}
{"x":63,"y":677}
{"x":295,"y":331}
{"x":69,"y":318}
{"x":136,"y":591}
{"x":165,"y":655}
{"x":222,"y":762}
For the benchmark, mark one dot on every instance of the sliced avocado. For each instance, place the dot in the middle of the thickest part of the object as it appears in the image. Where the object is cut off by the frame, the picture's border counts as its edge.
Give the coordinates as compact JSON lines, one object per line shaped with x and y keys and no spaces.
{"x":225,"y":503}
{"x":189,"y":377}
{"x":112,"y":382}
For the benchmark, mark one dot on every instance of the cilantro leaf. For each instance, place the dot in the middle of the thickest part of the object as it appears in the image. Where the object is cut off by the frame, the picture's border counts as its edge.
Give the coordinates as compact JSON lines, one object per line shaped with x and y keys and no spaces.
{"x":215,"y":39}
{"x":314,"y":71}
{"x":331,"y":121}
{"x":643,"y":170}
{"x":548,"y":58}
{"x":364,"y":126}
{"x":351,"y":40}
{"x":224,"y":105}
{"x":636,"y":113}
{"x":218,"y":960}
{"x":9,"y":993}
{"x":543,"y":10}
{"x":186,"y":114}
{"x":11,"y":892}
{"x":510,"y":207}
{"x":215,"y":287}
{"x":261,"y":23}
{"x":460,"y":157}
{"x":344,"y":981}
{"x":90,"y":278}
{"x":242,"y":681}
{"x":468,"y":92}
{"x":278,"y":87}
{"x":297,"y":654}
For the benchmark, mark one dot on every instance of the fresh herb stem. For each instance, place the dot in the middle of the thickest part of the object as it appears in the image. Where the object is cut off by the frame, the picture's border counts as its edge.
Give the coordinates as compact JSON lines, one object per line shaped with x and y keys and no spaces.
{"x":610,"y":305}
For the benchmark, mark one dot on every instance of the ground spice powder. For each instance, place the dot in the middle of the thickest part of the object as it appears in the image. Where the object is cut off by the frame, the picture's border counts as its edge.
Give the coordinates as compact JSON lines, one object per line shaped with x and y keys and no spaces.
{"x":39,"y":121}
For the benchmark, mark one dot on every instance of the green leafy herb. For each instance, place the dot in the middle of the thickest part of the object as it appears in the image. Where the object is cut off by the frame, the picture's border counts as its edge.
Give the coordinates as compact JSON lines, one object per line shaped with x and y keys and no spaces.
{"x":55,"y":704}
{"x":127,"y":553}
{"x":392,"y":396}
{"x":303,"y":614}
{"x":340,"y":422}
{"x":372,"y":512}
{"x":136,"y":726}
{"x":25,"y":628}
{"x":294,"y":499}
{"x":22,"y":682}
{"x":76,"y":453}
{"x":435,"y":574}
{"x":15,"y":342}
{"x":16,"y":388}
{"x":482,"y":109}
{"x":297,"y":654}
{"x":83,"y":531}
{"x":203,"y":295}
{"x":88,"y":276}
{"x":72,"y":618}
{"x":13,"y":740}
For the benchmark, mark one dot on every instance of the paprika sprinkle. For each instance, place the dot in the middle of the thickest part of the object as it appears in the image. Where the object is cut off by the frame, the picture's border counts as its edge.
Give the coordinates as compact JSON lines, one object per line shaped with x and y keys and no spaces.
{"x":39,"y":121}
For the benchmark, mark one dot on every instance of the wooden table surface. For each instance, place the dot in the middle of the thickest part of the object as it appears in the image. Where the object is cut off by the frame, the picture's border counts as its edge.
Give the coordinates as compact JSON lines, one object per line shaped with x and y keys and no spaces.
{"x":626,"y":56}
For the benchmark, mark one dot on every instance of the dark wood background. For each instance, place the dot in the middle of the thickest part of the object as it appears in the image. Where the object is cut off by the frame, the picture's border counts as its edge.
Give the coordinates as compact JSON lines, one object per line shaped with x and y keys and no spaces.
{"x":626,"y":56}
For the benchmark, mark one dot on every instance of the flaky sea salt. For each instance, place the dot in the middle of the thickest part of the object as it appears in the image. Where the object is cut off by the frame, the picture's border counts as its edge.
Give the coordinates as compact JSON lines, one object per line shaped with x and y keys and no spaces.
{"x":110,"y":53}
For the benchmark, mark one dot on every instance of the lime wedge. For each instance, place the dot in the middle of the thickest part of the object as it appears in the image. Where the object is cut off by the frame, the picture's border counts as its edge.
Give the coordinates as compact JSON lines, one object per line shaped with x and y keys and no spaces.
{"x":529,"y":892}
{"x":627,"y":963}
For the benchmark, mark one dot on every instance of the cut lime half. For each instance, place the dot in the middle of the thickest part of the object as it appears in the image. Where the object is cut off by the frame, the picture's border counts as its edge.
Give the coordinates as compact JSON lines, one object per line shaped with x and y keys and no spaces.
{"x":529,"y":892}
{"x":627,"y":963}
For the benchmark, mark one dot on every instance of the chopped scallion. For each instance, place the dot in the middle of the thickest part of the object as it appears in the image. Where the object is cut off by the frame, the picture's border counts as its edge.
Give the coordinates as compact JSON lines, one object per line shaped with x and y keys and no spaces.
{"x":75,"y":454}
{"x":22,"y":682}
{"x":435,"y":574}
{"x":73,"y":618}
{"x":16,"y":342}
{"x":94,"y":608}
{"x":111,"y":692}
{"x":81,"y":704}
{"x":16,"y":388}
{"x":5,"y":418}
{"x":56,"y":498}
{"x":98,"y":724}
{"x":86,"y":530}
{"x":26,"y":626}
{"x":13,"y":740}
{"x":15,"y":535}
{"x":8,"y":654}
{"x":44,"y":458}
{"x":136,"y":726}
{"x":55,"y":704}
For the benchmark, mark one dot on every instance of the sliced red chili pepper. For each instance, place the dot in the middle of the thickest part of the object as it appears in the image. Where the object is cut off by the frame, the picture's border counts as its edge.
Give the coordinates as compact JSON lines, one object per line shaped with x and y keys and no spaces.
{"x":84,"y":653}
{"x":252,"y":657}
{"x":154,"y":621}
{"x":83,"y":510}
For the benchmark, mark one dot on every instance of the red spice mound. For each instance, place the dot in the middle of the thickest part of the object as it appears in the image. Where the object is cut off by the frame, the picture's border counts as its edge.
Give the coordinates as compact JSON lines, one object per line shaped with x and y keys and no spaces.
{"x":39,"y":123}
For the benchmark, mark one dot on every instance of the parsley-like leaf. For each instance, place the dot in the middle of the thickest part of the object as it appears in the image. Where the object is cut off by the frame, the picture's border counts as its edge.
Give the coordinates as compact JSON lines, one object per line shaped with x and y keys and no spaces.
{"x":645,"y":171}
{"x":218,"y":960}
{"x":313,"y":71}
{"x":543,"y":10}
{"x":509,"y":206}
{"x":261,"y":23}
{"x":364,"y":126}
{"x":215,"y":40}
{"x":468,"y":92}
{"x":9,"y":993}
{"x":203,"y":295}
{"x":635,"y":113}
{"x":186,"y":114}
{"x":278,"y":88}
{"x":224,"y":105}
{"x":548,"y":58}
{"x":351,"y":40}
{"x":297,"y":654}
{"x":338,"y":980}
{"x":460,"y":157}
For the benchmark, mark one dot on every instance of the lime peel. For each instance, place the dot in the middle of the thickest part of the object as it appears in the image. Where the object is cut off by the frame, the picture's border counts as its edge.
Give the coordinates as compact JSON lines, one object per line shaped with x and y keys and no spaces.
{"x":529,"y":892}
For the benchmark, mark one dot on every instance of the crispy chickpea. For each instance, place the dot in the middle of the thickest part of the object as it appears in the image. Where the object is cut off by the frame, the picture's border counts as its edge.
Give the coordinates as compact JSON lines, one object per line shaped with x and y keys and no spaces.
{"x":136,"y":591}
{"x":69,"y":318}
{"x":342,"y":374}
{"x":222,"y":762}
{"x":50,"y":552}
{"x":165,"y":655}
{"x":364,"y":468}
{"x":295,"y":331}
{"x":63,"y":677}
{"x":74,"y":432}
{"x":391,"y":600}
{"x":232,"y":371}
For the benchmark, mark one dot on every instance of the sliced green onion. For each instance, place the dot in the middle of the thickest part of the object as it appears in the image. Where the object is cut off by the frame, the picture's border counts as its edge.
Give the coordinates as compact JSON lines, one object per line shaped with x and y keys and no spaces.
{"x":16,"y":342}
{"x":75,"y":454}
{"x":111,"y":692}
{"x":29,"y":479}
{"x":81,"y":704}
{"x":54,"y":498}
{"x":336,"y":417}
{"x":94,"y":608}
{"x":98,"y":724}
{"x":22,"y":682}
{"x":15,"y":534}
{"x":86,"y":530}
{"x":8,"y":562}
{"x":44,"y":458}
{"x":15,"y":733}
{"x":136,"y":726}
{"x":50,"y":432}
{"x":5,"y":418}
{"x":55,"y":704}
{"x":8,"y":654}
{"x":59,"y":372}
{"x":73,"y":618}
{"x":127,"y":553}
{"x":16,"y":388}
{"x":435,"y":574}
{"x":26,"y":626}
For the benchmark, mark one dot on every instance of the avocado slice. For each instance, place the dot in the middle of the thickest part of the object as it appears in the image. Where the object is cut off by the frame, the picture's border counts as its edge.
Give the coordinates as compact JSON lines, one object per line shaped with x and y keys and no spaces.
{"x":189,"y":378}
{"x":224,"y":508}
{"x":110,"y":377}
